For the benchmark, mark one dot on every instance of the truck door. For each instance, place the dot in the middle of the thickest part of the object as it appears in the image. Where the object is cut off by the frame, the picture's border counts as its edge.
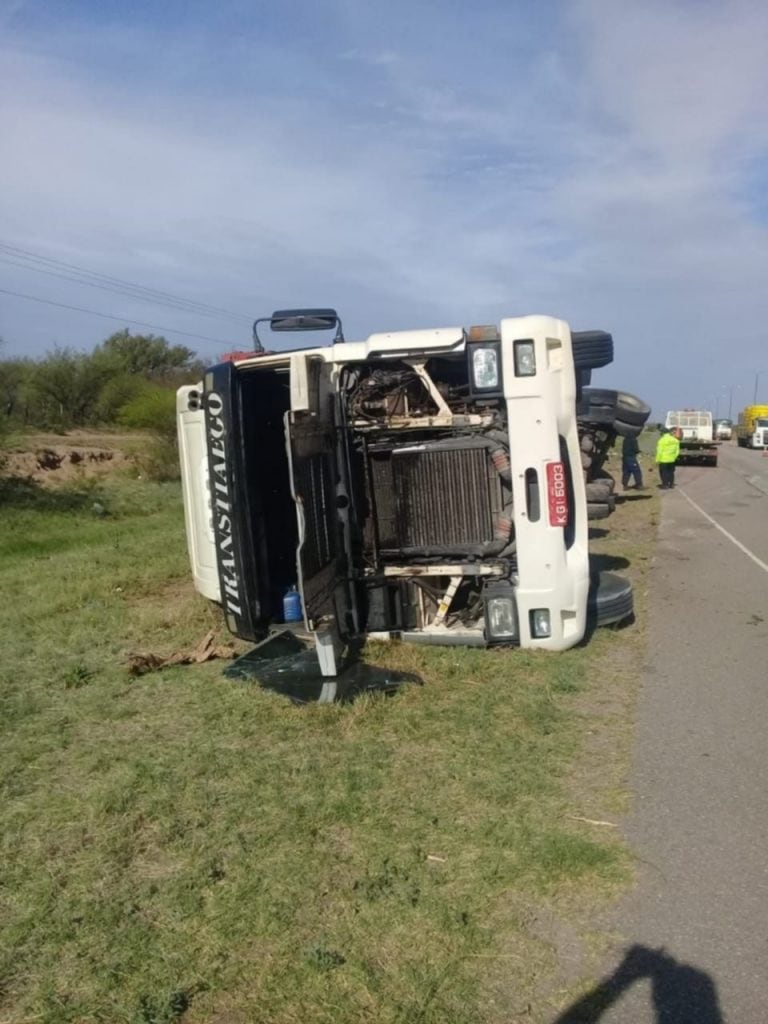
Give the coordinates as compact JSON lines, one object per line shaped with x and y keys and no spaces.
{"x":319,"y":493}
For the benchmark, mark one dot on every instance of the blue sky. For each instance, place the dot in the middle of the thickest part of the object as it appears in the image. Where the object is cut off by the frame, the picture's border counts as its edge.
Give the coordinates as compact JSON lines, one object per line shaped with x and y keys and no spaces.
{"x":412,"y":165}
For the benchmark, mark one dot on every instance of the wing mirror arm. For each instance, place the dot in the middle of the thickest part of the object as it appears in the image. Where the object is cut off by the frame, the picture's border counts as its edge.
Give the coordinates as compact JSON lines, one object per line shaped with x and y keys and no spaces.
{"x":299,"y":320}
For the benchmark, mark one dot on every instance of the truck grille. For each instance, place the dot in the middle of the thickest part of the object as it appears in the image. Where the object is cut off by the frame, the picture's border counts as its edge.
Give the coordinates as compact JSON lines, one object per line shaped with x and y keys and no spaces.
{"x":434,"y":498}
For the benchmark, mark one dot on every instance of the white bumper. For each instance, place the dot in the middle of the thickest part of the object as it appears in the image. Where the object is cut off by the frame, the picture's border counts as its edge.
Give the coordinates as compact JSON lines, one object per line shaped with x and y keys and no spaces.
{"x":553,"y":562}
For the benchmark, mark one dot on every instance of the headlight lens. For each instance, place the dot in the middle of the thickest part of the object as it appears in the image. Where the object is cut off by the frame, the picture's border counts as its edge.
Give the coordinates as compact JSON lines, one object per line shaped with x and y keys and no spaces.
{"x":485,"y":367}
{"x":501,"y":618}
{"x":541,"y":623}
{"x":501,"y":624}
{"x":525,"y":359}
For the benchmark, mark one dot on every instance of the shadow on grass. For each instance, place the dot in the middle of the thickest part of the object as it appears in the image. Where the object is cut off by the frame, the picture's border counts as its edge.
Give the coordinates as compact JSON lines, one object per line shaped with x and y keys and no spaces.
{"x":592,"y":626}
{"x":597,"y":533}
{"x":622,"y":499}
{"x":24,"y":492}
{"x":287,"y":665}
{"x":681,"y":994}
{"x":603,"y":563}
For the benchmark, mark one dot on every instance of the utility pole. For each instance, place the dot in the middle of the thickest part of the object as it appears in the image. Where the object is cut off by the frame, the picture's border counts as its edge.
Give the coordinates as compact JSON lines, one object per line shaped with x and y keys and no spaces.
{"x":734,"y":387}
{"x":758,"y":375}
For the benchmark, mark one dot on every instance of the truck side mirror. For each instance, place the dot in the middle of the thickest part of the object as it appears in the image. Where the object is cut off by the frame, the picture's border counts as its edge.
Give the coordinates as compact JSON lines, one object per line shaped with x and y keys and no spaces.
{"x":299,"y":320}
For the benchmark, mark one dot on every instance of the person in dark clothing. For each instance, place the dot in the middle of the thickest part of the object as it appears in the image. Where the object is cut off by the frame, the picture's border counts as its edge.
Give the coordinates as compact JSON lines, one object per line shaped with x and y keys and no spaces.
{"x":630,"y":467}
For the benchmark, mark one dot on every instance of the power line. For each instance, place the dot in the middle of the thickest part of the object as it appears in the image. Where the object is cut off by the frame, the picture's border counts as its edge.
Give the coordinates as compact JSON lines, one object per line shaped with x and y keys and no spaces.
{"x":30,"y":256}
{"x":109,"y":316}
{"x":66,"y":276}
{"x":29,"y":260}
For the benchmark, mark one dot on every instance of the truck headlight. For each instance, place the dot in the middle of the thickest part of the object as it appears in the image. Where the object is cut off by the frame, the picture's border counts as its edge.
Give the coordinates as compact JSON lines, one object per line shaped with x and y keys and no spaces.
{"x":485,"y":367}
{"x":541,"y":623}
{"x":501,"y":624}
{"x":525,"y":359}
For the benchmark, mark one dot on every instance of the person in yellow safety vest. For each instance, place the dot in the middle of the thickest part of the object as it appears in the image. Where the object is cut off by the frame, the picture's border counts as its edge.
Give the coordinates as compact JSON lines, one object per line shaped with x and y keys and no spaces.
{"x":667,"y":452}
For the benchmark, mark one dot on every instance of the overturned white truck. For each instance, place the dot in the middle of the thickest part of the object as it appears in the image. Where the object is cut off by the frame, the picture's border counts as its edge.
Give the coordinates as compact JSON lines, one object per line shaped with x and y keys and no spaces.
{"x":423,"y":484}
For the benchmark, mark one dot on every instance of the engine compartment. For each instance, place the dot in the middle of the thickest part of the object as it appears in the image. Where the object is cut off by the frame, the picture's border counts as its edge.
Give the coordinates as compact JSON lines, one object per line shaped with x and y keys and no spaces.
{"x":431,"y":488}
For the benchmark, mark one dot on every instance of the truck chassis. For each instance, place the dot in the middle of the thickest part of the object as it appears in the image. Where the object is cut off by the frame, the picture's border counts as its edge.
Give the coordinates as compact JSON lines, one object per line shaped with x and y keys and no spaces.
{"x":698,"y":452}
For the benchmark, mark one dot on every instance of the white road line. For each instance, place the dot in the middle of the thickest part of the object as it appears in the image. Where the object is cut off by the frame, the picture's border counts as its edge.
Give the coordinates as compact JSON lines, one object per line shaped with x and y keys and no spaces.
{"x":725,"y":533}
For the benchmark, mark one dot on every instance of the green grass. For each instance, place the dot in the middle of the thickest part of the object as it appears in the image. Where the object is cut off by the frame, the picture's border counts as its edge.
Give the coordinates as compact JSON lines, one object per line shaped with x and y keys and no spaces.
{"x":180,"y":847}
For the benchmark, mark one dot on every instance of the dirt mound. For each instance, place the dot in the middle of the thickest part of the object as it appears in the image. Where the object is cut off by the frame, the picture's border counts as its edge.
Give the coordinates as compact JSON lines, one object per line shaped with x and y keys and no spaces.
{"x":62,"y":462}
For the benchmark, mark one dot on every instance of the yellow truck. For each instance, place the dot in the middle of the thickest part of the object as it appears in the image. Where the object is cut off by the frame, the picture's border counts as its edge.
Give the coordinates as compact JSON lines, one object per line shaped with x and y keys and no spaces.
{"x":752,"y":429}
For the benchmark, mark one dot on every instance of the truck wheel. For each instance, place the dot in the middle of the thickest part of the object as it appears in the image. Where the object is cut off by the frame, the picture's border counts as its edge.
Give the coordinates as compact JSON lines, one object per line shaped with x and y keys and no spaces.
{"x":598,"y":511}
{"x":629,"y":409}
{"x":626,"y":429}
{"x":598,"y":491}
{"x":591,"y":349}
{"x":610,"y":600}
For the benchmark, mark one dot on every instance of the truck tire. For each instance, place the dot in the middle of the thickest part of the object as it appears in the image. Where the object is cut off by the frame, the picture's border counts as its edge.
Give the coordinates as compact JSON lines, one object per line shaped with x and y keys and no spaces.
{"x":595,"y":416}
{"x":591,"y":349}
{"x":628,"y":409}
{"x":631,"y":409}
{"x":626,"y":429}
{"x":598,"y":510}
{"x":610,"y":600}
{"x":599,"y":491}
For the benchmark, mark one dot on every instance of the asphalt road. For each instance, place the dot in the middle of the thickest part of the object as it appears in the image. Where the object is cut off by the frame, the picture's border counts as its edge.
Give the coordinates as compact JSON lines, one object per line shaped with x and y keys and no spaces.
{"x":692,"y":944}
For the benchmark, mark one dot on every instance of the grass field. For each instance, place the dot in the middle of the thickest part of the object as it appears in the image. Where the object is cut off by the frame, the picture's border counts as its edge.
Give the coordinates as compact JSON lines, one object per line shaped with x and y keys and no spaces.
{"x":180,"y":847}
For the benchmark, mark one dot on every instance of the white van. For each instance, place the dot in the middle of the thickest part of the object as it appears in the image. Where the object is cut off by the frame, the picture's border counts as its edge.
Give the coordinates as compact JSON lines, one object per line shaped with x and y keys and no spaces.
{"x":419,"y":484}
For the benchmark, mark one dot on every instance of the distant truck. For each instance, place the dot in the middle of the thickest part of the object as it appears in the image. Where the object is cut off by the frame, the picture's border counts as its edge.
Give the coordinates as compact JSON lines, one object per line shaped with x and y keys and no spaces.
{"x":752,"y":429}
{"x":697,"y":443}
{"x":723,"y":430}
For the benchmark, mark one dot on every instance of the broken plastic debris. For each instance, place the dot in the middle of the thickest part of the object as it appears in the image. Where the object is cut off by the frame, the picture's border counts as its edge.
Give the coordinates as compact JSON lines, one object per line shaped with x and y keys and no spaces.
{"x":288,"y":665}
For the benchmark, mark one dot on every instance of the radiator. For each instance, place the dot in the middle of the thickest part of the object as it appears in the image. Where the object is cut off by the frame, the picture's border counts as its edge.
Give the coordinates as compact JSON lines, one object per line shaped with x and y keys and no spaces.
{"x":432,"y":497}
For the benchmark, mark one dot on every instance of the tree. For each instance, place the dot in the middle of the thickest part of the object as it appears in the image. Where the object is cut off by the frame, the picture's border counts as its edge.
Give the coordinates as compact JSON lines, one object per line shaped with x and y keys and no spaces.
{"x":15,"y":377}
{"x":67,"y":385}
{"x":147,"y":355}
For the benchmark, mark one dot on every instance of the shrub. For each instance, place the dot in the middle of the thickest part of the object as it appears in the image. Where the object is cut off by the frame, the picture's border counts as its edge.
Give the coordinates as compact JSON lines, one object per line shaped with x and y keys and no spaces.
{"x":154,"y":410}
{"x":116,"y":395}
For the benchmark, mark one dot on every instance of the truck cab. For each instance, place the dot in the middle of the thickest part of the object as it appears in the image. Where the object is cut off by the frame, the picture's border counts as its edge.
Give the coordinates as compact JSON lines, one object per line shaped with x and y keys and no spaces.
{"x":752,"y":430}
{"x":422,"y":484}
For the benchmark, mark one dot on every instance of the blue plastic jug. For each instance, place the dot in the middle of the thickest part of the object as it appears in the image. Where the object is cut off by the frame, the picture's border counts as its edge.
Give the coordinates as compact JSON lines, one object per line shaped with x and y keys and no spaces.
{"x":292,"y":606}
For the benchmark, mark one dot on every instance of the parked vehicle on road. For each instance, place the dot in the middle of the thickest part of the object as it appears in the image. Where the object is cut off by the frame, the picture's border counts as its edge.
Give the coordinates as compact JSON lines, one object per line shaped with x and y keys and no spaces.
{"x":422,"y":484}
{"x":697,"y":440}
{"x":723,"y":430}
{"x":752,"y":428}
